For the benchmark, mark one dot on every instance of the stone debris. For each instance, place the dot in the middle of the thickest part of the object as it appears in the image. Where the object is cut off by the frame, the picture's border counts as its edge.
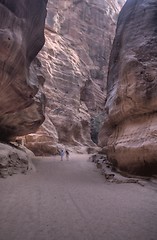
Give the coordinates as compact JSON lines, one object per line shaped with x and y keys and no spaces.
{"x":113,"y":175}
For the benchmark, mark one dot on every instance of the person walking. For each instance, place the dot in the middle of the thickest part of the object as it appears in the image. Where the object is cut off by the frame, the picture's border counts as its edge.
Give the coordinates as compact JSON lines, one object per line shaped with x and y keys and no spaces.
{"x":62,"y":154}
{"x":67,"y":154}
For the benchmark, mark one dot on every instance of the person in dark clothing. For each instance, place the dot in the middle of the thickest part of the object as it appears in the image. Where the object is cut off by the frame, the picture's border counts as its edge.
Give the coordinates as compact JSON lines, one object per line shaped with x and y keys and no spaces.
{"x":67,"y":154}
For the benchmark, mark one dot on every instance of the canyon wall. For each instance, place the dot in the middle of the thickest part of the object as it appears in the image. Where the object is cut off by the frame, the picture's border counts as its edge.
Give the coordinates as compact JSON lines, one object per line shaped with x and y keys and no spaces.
{"x":22,"y":102}
{"x":79,"y":36}
{"x":129,"y":134}
{"x":21,"y":37}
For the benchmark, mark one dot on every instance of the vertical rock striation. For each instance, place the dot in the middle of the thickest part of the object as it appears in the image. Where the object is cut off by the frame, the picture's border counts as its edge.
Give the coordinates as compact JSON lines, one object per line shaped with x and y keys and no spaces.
{"x":130,"y":129}
{"x":75,"y":57}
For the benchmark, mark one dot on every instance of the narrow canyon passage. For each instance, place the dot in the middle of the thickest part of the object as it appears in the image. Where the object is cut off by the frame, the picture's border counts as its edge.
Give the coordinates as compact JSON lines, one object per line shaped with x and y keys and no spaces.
{"x":70,"y":200}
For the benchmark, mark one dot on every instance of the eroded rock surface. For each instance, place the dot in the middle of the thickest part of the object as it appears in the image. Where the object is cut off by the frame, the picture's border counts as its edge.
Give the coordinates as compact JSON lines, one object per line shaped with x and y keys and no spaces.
{"x":21,"y":38}
{"x":75,"y":57}
{"x":130,"y":129}
{"x":21,"y":98}
{"x":14,"y":159}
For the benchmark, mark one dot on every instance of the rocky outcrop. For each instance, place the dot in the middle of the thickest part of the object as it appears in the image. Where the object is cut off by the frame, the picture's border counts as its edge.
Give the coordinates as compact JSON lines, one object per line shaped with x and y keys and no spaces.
{"x":130,"y":130}
{"x":21,"y":38}
{"x":14,"y":159}
{"x":21,"y":98}
{"x":75,"y":57}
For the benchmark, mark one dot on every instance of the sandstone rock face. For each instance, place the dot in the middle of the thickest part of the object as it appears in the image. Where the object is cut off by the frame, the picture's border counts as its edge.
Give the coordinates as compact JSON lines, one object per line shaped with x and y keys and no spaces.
{"x":21,"y":38}
{"x":14,"y":160}
{"x":75,"y":57}
{"x":130,"y":129}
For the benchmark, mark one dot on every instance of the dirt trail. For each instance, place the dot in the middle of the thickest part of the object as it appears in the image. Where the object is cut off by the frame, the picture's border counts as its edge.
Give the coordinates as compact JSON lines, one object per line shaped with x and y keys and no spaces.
{"x":70,"y":200}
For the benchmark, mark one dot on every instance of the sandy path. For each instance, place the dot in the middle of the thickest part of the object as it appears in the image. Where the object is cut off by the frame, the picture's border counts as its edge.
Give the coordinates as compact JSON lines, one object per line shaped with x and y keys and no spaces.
{"x":70,"y":200}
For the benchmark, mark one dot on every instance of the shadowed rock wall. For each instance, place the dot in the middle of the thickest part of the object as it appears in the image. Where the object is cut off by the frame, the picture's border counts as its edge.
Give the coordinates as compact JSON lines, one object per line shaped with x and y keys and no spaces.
{"x":21,"y":38}
{"x":130,"y":129}
{"x":75,"y":57}
{"x":21,"y":99}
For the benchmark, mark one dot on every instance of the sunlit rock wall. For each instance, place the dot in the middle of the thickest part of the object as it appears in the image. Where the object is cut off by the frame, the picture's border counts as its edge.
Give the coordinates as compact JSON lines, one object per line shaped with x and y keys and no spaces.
{"x":75,"y":57}
{"x":130,"y":130}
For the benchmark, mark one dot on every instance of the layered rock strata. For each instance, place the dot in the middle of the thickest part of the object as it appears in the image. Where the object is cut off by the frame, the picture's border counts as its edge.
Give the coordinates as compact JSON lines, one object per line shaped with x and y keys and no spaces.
{"x":130,"y":129}
{"x":75,"y":57}
{"x":21,"y":38}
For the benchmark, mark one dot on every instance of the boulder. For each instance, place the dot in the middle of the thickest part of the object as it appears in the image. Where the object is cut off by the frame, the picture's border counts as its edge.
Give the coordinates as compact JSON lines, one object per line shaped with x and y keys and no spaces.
{"x":14,"y":160}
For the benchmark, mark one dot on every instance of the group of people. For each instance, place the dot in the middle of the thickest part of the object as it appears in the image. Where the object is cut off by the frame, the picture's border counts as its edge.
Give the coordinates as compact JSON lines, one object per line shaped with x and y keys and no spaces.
{"x":62,"y":153}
